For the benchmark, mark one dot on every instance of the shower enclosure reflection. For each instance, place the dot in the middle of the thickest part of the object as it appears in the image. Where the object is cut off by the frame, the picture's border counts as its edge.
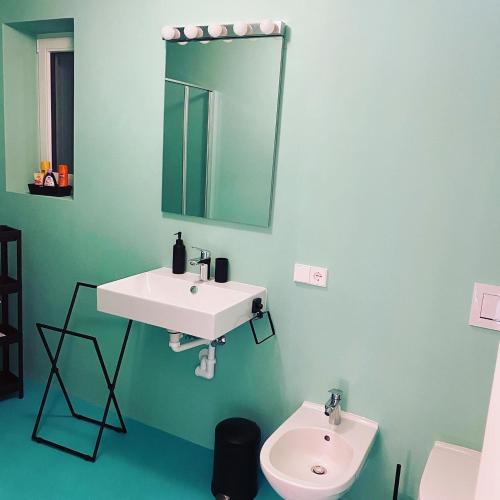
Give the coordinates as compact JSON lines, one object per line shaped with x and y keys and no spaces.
{"x":187,"y":166}
{"x":220,"y":121}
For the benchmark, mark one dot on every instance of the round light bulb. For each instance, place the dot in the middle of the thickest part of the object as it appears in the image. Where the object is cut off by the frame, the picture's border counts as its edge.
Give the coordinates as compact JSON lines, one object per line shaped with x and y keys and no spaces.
{"x":192,"y":32}
{"x":242,"y":29}
{"x":217,"y":30}
{"x":170,"y":33}
{"x":267,"y":26}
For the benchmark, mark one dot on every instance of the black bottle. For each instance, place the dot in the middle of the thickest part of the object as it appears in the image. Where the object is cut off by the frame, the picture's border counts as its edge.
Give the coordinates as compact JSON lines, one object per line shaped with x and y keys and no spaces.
{"x":179,"y":256}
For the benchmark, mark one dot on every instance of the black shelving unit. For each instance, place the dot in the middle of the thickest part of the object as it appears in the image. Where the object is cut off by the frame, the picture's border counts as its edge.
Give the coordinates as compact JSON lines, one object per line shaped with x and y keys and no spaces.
{"x":11,"y":332}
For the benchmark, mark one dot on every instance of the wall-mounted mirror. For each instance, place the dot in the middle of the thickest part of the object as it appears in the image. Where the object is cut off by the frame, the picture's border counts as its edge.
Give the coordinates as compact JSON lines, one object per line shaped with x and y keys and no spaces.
{"x":220,"y":122}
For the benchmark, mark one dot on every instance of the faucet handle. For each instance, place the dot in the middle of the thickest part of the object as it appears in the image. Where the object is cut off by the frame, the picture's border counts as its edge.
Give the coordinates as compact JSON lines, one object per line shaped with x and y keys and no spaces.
{"x":336,"y":394}
{"x":204,"y":254}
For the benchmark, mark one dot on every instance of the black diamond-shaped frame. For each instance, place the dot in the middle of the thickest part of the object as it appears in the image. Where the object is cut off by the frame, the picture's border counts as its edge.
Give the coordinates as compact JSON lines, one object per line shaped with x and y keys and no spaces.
{"x":111,"y":383}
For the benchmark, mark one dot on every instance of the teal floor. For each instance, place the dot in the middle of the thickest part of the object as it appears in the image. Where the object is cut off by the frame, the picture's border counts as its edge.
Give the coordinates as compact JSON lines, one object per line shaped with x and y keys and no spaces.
{"x":143,"y":464}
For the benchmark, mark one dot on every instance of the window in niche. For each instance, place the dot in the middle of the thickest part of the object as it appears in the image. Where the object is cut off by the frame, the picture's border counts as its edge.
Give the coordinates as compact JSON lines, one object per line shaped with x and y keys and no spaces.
{"x":56,"y":100}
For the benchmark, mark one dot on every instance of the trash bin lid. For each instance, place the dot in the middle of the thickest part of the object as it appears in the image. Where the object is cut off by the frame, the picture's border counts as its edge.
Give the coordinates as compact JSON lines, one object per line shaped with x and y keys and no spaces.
{"x":237,"y":431}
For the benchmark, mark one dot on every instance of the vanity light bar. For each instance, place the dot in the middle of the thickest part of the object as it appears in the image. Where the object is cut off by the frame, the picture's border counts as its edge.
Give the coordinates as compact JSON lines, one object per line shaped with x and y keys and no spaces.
{"x":193,"y":33}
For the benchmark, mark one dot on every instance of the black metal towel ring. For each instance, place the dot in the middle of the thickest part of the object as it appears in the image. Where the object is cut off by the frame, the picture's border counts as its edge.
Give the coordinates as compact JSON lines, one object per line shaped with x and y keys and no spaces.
{"x":259,"y":314}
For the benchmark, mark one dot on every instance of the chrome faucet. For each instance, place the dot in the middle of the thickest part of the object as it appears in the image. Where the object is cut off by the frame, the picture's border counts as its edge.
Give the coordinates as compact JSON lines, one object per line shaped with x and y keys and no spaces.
{"x":204,"y":262}
{"x":332,"y":406}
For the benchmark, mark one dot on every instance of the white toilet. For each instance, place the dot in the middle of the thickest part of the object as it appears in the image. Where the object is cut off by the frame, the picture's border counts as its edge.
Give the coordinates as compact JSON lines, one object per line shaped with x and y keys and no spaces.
{"x":456,"y":473}
{"x":450,"y":473}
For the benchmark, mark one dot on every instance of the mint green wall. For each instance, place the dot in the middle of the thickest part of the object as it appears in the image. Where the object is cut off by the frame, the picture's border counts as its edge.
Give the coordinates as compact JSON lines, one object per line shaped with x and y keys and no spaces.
{"x":387,"y":174}
{"x":20,"y":107}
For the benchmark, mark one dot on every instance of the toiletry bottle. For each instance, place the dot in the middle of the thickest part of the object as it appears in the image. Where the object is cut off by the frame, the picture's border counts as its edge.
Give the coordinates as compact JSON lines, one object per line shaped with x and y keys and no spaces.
{"x":49,"y":179}
{"x":44,"y":166}
{"x":179,"y":256}
{"x":62,"y":170}
{"x":38,"y":178}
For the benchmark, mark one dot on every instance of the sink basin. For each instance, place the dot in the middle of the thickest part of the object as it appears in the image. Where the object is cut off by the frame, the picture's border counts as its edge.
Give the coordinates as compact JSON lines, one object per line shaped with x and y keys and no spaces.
{"x":307,"y":458}
{"x":161,"y":298}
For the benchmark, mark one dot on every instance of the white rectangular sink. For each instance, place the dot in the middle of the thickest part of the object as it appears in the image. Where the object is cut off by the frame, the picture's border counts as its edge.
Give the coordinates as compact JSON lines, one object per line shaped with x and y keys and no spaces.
{"x":180,"y":302}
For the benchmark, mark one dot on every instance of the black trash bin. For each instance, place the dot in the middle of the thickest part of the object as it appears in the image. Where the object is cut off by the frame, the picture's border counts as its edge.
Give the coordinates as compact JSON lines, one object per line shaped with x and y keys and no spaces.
{"x":236,"y":459}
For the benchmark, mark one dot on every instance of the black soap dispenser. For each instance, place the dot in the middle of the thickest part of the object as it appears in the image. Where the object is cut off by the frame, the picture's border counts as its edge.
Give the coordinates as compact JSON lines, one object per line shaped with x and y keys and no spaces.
{"x":179,"y":256}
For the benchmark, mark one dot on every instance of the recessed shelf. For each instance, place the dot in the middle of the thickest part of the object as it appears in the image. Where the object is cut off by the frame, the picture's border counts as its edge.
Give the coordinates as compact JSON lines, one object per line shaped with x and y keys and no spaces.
{"x":23,"y":89}
{"x":35,"y":197}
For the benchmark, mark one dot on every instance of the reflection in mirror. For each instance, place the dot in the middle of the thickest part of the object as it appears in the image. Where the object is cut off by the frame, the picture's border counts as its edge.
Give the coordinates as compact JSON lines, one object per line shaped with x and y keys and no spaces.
{"x":220,"y":121}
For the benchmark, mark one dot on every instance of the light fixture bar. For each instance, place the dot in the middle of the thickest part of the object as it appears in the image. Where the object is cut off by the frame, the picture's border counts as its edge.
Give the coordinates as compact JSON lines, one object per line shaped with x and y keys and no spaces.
{"x":228,"y":31}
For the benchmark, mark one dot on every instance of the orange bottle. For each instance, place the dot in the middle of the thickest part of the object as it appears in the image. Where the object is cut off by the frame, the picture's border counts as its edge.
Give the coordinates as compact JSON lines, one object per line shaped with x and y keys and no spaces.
{"x":63,"y":170}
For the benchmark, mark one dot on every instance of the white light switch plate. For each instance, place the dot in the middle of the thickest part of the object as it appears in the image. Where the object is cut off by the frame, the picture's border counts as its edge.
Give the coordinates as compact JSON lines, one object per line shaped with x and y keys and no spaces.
{"x":485,"y":307}
{"x":301,"y":273}
{"x":311,"y":275}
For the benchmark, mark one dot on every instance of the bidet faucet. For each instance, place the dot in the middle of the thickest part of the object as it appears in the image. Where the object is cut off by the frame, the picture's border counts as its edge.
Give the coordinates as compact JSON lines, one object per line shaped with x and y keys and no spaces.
{"x":332,"y":406}
{"x":204,"y":262}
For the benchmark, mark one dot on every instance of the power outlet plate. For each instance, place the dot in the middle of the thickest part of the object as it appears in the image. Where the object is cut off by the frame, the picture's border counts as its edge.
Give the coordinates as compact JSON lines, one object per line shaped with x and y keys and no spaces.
{"x":311,"y":275}
{"x":318,"y":276}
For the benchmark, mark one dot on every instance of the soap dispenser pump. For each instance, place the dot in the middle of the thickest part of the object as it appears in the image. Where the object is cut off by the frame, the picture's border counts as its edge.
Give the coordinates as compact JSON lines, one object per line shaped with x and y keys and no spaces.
{"x":179,"y":256}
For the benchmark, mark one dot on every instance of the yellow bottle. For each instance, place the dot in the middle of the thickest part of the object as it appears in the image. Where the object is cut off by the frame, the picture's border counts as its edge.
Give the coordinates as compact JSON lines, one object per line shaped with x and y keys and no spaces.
{"x":44,"y":166}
